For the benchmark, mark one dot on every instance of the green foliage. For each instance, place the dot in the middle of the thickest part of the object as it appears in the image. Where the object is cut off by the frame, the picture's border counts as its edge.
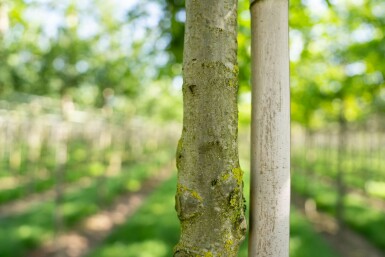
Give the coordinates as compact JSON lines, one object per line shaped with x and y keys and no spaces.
{"x":336,"y":54}
{"x":86,"y":48}
{"x":336,"y":47}
{"x":335,"y":68}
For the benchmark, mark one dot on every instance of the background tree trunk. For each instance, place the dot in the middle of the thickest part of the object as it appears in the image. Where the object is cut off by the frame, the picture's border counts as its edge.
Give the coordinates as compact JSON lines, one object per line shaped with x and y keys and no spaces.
{"x":270,"y":130}
{"x":340,"y":179}
{"x":209,"y":198}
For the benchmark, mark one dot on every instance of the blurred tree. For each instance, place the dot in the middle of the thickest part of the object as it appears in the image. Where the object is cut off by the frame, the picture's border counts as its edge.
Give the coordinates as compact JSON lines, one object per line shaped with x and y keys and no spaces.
{"x":174,"y":27}
{"x":336,"y":69}
{"x":336,"y":49}
{"x":337,"y":76}
{"x":209,"y":198}
{"x":81,"y":48}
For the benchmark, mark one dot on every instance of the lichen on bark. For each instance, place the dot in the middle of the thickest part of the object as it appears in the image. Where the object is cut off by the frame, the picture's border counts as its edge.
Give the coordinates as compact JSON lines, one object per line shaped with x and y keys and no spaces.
{"x":209,"y":199}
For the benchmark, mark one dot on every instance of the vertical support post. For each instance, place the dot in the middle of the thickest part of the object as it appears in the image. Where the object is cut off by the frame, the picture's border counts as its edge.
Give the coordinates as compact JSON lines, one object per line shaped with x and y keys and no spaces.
{"x":270,"y":130}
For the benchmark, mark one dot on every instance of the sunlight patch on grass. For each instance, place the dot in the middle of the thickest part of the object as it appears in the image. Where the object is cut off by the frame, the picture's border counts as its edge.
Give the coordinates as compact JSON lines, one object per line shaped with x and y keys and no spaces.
{"x":96,"y":169}
{"x":376,"y":188}
{"x":295,"y":244}
{"x":149,"y":248}
{"x":133,"y":185}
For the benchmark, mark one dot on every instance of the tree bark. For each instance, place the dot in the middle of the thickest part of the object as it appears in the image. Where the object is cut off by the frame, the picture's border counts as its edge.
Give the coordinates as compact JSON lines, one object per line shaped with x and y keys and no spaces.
{"x":209,"y":198}
{"x":270,"y":130}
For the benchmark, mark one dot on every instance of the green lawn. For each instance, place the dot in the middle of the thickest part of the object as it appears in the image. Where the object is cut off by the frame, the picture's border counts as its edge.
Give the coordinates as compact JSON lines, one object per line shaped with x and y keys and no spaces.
{"x":154,"y":230}
{"x":20,"y":233}
{"x":358,"y":214}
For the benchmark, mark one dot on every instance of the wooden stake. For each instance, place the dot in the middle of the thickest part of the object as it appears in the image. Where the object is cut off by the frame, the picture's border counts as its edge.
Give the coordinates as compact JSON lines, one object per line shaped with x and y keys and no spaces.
{"x":270,"y":130}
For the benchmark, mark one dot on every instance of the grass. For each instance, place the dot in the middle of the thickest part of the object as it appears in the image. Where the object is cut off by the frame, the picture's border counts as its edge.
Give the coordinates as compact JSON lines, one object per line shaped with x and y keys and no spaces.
{"x":154,"y":230}
{"x":20,"y":233}
{"x":151,"y":232}
{"x":357,"y":213}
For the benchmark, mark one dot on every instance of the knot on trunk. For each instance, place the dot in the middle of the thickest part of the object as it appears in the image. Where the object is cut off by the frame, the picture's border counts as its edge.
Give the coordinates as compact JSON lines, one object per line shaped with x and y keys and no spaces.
{"x":188,"y":203}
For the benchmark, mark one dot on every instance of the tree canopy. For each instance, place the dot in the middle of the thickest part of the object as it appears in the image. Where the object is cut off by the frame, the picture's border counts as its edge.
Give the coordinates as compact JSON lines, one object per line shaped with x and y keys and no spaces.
{"x":81,"y":48}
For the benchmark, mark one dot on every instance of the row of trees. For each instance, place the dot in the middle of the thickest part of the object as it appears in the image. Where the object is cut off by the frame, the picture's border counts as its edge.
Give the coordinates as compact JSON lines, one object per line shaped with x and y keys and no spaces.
{"x":343,"y":61}
{"x":60,"y":164}
{"x":336,"y":44}
{"x":37,"y":135}
{"x":84,"y":48}
{"x":87,"y":53}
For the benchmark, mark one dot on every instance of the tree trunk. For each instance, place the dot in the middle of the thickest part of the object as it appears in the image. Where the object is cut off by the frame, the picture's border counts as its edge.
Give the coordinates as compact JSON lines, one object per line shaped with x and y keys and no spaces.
{"x":209,"y":198}
{"x":61,"y":160}
{"x":270,"y":130}
{"x":308,"y":159}
{"x":340,"y":180}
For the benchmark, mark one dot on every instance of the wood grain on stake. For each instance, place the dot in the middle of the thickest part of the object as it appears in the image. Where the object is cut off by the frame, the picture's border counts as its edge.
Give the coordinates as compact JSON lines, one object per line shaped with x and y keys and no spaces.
{"x":270,"y":132}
